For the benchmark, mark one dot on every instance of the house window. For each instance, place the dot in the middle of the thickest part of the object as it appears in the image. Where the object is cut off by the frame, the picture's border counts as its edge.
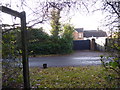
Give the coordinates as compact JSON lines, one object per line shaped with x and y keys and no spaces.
{"x":80,"y":35}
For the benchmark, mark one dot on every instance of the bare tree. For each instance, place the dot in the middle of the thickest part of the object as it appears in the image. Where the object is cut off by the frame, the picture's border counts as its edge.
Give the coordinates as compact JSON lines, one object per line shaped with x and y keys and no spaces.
{"x":112,"y":7}
{"x":113,"y":12}
{"x":39,"y":10}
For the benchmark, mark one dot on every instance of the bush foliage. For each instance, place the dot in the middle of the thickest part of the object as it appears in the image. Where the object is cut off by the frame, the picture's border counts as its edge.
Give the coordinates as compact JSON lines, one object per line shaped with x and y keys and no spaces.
{"x":113,"y":47}
{"x":39,"y":42}
{"x":42,"y":44}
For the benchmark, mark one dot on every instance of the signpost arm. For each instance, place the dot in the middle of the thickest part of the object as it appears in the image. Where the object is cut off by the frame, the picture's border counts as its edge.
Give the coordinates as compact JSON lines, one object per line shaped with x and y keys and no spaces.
{"x":9,"y":11}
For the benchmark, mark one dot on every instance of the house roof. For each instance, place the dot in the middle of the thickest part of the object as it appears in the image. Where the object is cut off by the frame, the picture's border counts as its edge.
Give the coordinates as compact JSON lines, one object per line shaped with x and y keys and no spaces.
{"x":79,"y":29}
{"x":95,"y":33}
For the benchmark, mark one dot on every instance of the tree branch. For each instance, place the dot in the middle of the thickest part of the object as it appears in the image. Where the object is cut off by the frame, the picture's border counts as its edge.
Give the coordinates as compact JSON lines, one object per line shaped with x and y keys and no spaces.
{"x":112,"y":5}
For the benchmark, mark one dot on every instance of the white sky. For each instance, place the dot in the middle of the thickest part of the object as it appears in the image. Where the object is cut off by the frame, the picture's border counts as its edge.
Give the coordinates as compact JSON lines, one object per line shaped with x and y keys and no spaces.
{"x":88,"y":22}
{"x":79,"y":20}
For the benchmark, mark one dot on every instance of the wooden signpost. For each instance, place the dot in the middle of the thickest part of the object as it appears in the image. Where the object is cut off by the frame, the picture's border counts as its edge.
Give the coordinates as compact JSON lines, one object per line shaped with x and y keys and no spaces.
{"x":22,"y":16}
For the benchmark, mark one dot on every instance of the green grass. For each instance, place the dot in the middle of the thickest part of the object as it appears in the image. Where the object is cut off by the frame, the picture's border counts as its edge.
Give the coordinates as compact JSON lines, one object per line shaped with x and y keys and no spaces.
{"x":71,"y":77}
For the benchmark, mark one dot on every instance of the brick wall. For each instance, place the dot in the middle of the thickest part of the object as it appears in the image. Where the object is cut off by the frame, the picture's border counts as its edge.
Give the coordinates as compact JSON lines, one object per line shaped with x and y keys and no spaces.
{"x":77,"y":36}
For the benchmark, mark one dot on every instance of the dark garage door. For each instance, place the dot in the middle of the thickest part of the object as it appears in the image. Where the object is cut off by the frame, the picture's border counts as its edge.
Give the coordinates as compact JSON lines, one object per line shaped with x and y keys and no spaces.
{"x":81,"y":45}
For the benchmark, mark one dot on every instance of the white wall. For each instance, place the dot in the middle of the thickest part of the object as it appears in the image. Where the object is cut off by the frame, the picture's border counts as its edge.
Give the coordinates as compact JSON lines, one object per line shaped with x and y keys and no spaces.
{"x":100,"y":41}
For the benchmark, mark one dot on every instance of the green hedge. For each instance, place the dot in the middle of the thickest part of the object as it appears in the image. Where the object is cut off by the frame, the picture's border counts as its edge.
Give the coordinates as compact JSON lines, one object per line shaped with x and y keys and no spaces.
{"x":39,"y":43}
{"x":45,"y":48}
{"x":43,"y":44}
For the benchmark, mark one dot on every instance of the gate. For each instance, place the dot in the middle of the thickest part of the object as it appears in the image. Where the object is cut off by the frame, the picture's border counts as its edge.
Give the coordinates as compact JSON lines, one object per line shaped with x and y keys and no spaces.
{"x":81,"y":45}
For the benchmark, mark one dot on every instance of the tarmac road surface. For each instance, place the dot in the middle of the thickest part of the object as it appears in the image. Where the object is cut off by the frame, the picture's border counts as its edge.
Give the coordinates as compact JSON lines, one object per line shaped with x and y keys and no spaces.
{"x":78,"y":58}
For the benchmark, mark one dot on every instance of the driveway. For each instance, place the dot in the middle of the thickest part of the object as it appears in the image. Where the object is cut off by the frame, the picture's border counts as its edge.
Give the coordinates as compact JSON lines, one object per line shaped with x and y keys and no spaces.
{"x":78,"y":58}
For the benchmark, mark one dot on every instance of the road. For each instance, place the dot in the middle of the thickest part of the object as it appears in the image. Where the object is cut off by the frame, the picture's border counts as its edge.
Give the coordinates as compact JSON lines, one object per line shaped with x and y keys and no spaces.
{"x":78,"y":58}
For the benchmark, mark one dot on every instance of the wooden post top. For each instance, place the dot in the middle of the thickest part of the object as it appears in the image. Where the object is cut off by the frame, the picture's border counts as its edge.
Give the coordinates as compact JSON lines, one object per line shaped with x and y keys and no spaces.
{"x":10,"y":11}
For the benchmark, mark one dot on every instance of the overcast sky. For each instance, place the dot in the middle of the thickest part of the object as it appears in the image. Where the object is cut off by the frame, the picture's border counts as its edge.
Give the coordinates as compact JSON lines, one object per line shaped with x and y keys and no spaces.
{"x":90,"y":21}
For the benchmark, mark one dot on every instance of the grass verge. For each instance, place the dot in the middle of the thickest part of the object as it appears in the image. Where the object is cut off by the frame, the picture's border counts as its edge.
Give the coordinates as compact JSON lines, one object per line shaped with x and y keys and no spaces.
{"x":71,"y":77}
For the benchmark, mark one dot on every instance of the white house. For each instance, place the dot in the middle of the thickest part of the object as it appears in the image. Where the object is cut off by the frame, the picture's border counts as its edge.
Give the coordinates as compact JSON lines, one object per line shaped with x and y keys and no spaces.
{"x":99,"y":36}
